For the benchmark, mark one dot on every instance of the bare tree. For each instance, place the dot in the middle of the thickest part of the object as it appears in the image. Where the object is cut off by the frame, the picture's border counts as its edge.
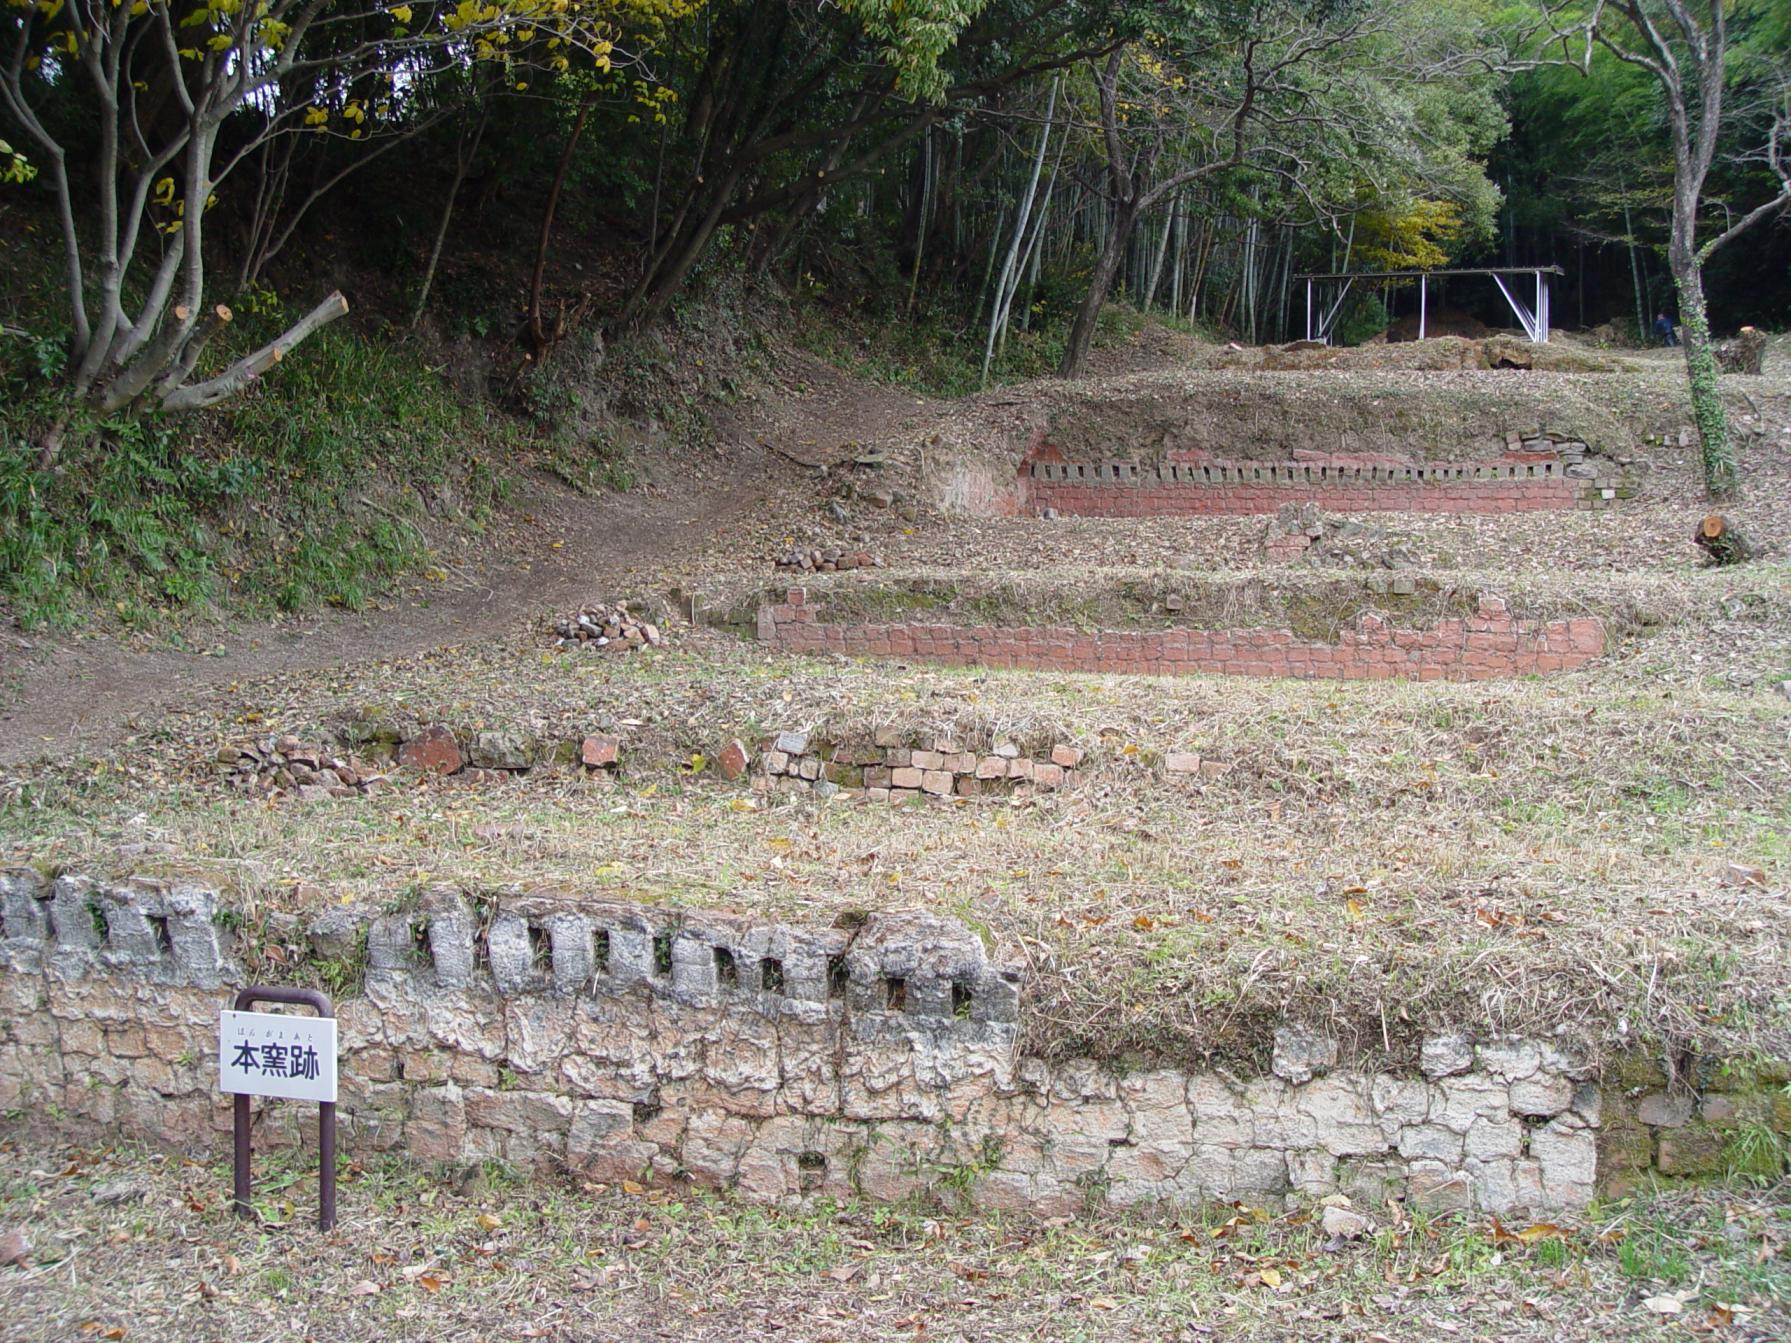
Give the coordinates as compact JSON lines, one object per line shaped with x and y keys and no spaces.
{"x":162,"y":84}
{"x":1685,"y":46}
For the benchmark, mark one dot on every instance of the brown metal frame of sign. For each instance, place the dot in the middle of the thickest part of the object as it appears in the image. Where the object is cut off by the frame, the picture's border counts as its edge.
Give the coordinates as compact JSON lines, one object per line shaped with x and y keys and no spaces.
{"x":326,"y":1113}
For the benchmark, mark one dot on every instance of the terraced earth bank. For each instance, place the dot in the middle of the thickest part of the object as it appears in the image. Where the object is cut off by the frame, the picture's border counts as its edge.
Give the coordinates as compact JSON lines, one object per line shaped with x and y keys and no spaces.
{"x":1234,"y":783}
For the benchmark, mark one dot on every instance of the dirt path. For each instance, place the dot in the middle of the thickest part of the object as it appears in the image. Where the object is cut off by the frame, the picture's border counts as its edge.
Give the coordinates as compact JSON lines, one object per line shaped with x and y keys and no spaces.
{"x":717,"y":506}
{"x":62,"y":694}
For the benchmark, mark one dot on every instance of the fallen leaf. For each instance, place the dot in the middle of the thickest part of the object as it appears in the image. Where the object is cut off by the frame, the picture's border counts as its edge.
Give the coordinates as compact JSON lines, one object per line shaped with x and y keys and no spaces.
{"x":487,"y":1222}
{"x":430,"y":1283}
{"x":1541,"y":1231}
{"x":1663,"y":1305}
{"x":1271,"y":1277}
{"x":14,"y":1246}
{"x":843,"y":1273}
{"x":365,"y":1287}
{"x":1103,"y":1303}
{"x":631,"y":1187}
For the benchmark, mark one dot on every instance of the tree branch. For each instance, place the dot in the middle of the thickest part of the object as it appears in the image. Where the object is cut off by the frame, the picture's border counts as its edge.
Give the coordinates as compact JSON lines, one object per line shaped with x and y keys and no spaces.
{"x":250,"y":367}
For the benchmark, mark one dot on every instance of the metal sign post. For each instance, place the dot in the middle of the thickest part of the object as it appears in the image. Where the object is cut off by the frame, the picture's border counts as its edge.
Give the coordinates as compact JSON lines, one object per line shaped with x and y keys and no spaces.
{"x":265,"y":1054}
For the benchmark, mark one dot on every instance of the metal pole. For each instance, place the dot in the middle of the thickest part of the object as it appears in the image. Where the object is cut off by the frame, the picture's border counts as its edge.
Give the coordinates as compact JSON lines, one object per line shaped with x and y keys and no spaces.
{"x":1423,"y":303}
{"x":326,"y":1165}
{"x":1309,"y":310}
{"x":326,"y":1114}
{"x":1541,"y":312}
{"x":239,"y":1123}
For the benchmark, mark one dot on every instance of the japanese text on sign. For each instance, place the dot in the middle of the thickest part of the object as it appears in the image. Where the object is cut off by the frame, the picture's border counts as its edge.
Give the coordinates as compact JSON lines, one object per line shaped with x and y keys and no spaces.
{"x":268,"y":1054}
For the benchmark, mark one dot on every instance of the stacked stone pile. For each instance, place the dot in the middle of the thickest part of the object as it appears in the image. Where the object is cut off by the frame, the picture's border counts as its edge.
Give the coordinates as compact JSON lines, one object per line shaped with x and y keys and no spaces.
{"x":274,"y":767}
{"x":1306,"y":532}
{"x":612,"y":628}
{"x":895,"y":766}
{"x":827,"y":559}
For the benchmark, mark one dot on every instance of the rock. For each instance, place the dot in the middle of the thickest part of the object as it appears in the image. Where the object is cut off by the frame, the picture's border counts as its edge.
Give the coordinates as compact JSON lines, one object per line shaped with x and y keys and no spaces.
{"x":792,"y":743}
{"x":433,"y":751}
{"x":1065,"y":755}
{"x":14,"y":1246}
{"x":335,"y":933}
{"x":733,"y":760}
{"x":1346,"y":1223}
{"x":599,"y":752}
{"x":1182,"y":762}
{"x":1446,"y":1055}
{"x":1301,"y":1054}
{"x":499,"y":750}
{"x":1661,"y":1109}
{"x":111,"y":1192}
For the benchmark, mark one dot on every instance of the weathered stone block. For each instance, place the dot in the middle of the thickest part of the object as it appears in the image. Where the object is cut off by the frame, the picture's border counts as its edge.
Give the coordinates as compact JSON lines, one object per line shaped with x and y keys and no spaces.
{"x":1302,"y":1053}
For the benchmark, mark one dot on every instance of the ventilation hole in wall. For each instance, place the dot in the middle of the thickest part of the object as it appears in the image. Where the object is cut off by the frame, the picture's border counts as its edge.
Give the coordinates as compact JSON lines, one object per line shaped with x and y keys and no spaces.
{"x":895,"y":994}
{"x":961,"y":998}
{"x":837,"y":978}
{"x":600,"y":951}
{"x":419,"y":943}
{"x":771,"y":975}
{"x":100,"y":925}
{"x":645,"y":1112}
{"x":158,"y":927}
{"x":541,"y":948}
{"x":811,"y":1161}
{"x":662,"y":954}
{"x":727,"y":971}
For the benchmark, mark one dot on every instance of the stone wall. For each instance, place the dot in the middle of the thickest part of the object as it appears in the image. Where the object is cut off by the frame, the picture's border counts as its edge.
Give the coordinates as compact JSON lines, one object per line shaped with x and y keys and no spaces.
{"x":620,"y":1041}
{"x":1490,"y":644}
{"x":1134,"y":490}
{"x":891,"y":765}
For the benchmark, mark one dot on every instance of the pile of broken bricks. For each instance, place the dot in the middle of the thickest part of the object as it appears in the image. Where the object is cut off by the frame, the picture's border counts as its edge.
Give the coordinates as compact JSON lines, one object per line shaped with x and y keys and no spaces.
{"x":896,"y":766}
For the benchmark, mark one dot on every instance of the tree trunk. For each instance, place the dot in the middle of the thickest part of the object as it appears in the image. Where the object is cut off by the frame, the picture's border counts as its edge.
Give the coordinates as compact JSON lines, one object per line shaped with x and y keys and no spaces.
{"x":539,"y":337}
{"x":1088,"y":315}
{"x":1700,"y":371}
{"x":1716,"y":537}
{"x":463,"y":161}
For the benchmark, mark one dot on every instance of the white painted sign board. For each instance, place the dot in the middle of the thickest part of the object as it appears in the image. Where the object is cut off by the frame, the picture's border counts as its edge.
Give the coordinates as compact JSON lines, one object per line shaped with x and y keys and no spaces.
{"x":267,"y":1054}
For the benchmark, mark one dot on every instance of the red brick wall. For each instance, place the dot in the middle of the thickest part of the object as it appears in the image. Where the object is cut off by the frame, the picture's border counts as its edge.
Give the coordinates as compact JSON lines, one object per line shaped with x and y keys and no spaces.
{"x":1490,"y":644}
{"x":1127,"y":490}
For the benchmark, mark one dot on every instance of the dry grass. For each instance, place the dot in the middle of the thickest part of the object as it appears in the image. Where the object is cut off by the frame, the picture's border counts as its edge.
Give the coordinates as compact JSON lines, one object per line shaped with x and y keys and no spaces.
{"x":1529,"y":855}
{"x":475,"y":1256}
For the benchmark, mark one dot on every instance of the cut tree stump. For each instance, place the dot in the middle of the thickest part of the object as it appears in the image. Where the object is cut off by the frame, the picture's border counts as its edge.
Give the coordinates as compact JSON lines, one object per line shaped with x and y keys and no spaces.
{"x":1717,"y":537}
{"x":1745,"y":354}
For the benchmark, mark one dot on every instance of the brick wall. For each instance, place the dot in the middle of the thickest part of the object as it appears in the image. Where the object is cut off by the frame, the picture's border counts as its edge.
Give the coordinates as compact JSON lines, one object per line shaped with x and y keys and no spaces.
{"x":1490,"y":644}
{"x":1130,"y":490}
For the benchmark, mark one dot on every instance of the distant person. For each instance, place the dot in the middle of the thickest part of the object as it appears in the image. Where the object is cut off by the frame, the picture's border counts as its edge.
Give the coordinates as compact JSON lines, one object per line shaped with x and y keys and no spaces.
{"x":1663,"y":327}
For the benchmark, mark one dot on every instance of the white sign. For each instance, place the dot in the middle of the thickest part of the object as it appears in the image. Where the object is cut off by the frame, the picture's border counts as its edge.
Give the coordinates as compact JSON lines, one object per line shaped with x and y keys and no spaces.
{"x":265,"y":1054}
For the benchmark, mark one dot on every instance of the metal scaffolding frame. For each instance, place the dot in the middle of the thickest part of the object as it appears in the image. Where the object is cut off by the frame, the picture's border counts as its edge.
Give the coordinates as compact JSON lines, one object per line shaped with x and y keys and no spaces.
{"x":1535,"y":320}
